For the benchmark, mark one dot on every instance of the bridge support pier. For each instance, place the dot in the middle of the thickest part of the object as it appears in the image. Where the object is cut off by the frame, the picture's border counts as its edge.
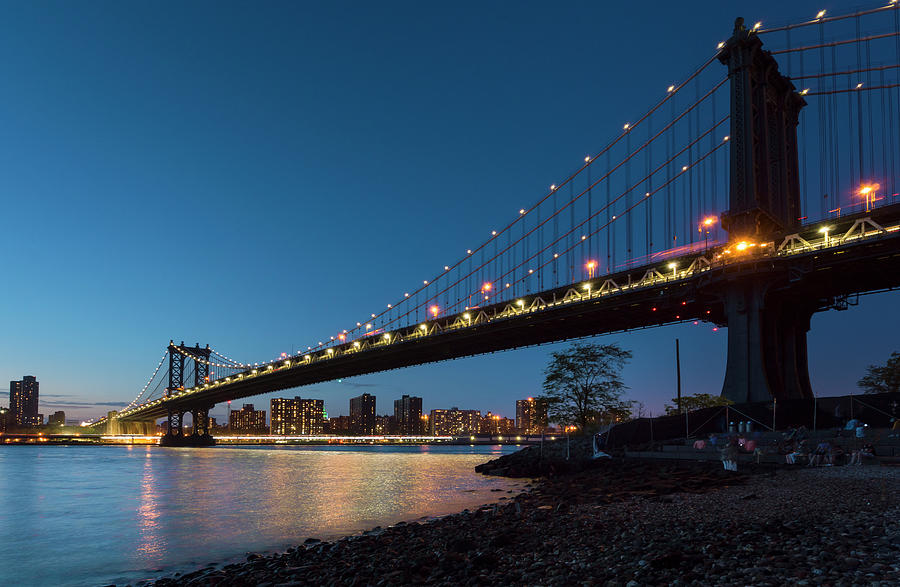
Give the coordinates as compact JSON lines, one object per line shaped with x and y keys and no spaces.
{"x":767,"y":356}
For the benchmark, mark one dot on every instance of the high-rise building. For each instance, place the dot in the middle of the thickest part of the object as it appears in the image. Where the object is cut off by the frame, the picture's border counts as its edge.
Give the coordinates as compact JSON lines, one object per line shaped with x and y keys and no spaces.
{"x":23,"y":402}
{"x":4,"y":419}
{"x":296,"y":416}
{"x":338,"y":425}
{"x":362,"y":414}
{"x":247,"y":420}
{"x":531,"y":415}
{"x":57,"y":419}
{"x":408,"y":415}
{"x":454,"y":422}
{"x":494,"y":424}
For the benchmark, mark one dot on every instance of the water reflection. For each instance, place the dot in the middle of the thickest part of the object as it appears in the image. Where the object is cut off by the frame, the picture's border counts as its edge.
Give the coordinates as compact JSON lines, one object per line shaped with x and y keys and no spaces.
{"x":94,"y":515}
{"x":152,"y":545}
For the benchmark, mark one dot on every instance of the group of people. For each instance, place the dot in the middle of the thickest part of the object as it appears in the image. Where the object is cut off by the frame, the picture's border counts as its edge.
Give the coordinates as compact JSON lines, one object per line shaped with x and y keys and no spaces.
{"x":796,"y":447}
{"x":827,"y":454}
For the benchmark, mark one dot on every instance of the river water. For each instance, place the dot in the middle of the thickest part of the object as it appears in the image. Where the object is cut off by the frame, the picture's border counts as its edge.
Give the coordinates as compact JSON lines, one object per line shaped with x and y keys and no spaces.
{"x":94,"y":515}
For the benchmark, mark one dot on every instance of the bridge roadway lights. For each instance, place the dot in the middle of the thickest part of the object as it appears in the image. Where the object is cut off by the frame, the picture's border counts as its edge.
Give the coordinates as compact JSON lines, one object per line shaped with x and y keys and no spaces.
{"x":767,"y":354}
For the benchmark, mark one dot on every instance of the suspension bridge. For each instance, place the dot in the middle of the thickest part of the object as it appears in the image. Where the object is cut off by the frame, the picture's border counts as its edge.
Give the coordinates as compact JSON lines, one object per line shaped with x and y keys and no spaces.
{"x":760,"y":189}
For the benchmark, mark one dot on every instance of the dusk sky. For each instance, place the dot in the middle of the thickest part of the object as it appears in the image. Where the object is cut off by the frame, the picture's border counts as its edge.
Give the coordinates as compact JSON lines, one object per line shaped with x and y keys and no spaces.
{"x":257,"y":176}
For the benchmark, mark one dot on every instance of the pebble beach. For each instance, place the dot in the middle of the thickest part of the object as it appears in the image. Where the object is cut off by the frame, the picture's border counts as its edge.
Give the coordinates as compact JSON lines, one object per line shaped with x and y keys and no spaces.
{"x":627,"y":523}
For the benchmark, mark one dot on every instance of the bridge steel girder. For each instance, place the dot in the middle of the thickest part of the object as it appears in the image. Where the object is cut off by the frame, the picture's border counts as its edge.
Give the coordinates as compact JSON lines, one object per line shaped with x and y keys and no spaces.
{"x":809,"y":280}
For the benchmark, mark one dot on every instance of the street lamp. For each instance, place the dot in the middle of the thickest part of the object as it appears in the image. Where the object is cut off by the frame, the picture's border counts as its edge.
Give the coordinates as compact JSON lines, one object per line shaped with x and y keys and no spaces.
{"x":869,"y":192}
{"x":706,"y":225}
{"x":824,"y":230}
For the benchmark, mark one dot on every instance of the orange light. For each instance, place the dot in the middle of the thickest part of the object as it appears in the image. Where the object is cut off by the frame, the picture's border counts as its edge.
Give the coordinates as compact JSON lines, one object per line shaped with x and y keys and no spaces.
{"x":741,"y":246}
{"x":866,"y":189}
{"x":591,"y":264}
{"x":434,"y":310}
{"x":487,"y":286}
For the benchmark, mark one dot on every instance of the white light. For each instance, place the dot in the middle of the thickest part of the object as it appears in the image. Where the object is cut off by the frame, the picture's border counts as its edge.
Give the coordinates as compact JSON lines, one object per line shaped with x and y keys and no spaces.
{"x":425,"y":282}
{"x":522,"y":211}
{"x":757,"y":26}
{"x":726,"y":137}
{"x":671,"y":89}
{"x":804,"y":91}
{"x":406,"y":295}
{"x":467,"y":316}
{"x":583,"y":237}
{"x":626,"y":126}
{"x":530,"y":271}
{"x":468,"y":251}
{"x":720,"y":45}
{"x":493,"y":233}
{"x":684,"y":168}
{"x":555,"y":255}
{"x":446,"y":267}
{"x":859,"y":85}
{"x":553,"y":187}
{"x":672,"y":265}
{"x":423,"y":327}
{"x":587,"y":159}
{"x":820,"y":14}
{"x":387,"y":337}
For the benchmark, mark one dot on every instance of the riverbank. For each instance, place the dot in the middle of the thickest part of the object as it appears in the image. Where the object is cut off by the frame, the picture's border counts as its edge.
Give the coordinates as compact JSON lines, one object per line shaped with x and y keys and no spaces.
{"x":620,"y":523}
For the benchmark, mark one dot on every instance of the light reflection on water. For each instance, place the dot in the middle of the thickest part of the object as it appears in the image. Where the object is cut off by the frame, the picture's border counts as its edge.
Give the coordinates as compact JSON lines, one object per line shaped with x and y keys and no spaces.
{"x":77,"y":515}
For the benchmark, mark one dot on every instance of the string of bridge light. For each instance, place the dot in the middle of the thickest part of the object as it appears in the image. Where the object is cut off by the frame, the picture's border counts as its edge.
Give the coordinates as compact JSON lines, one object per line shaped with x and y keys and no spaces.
{"x":551,"y":246}
{"x":149,"y":381}
{"x":571,"y":202}
{"x":363,"y":328}
{"x":821,"y":18}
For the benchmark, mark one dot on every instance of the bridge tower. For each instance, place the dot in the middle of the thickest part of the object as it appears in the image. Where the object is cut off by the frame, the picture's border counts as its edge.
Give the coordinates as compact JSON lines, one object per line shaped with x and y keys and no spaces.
{"x":767,"y":329}
{"x":175,"y":434}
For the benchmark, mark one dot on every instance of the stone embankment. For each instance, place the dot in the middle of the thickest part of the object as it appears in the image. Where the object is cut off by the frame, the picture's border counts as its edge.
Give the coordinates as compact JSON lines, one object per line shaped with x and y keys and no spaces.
{"x":624,"y":523}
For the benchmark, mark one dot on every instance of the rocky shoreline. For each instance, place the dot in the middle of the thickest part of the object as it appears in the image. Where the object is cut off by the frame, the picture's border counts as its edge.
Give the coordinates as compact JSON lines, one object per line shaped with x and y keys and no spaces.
{"x":623,"y":522}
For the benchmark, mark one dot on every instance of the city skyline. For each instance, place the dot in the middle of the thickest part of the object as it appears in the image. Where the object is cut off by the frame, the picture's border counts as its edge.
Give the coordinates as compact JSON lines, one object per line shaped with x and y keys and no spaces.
{"x":101,"y":163}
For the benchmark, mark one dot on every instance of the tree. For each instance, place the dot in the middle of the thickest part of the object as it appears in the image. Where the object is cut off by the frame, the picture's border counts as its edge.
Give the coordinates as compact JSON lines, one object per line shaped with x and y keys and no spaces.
{"x":882,"y":379}
{"x":584,"y":382}
{"x":696,"y":402}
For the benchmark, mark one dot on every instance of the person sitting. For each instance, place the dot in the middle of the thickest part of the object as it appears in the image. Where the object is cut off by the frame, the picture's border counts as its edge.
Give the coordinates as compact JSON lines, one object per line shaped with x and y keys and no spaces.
{"x":796,"y":454}
{"x":895,"y":428}
{"x":836,"y":455}
{"x":820,"y":455}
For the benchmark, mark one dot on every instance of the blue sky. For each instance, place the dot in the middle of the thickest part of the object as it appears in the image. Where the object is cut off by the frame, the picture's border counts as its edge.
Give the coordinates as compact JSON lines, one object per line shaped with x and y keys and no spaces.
{"x":257,"y":176}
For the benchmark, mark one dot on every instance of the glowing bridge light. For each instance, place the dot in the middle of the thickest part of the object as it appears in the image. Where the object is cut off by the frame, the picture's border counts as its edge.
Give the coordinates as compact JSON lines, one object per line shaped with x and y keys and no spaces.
{"x":587,"y":159}
{"x":368,"y":326}
{"x":553,"y":187}
{"x":468,"y":251}
{"x":446,"y":267}
{"x":487,"y":286}
{"x":406,"y":295}
{"x":741,"y":246}
{"x":720,"y":45}
{"x":467,"y":316}
{"x":626,"y":126}
{"x":670,"y":89}
{"x":356,"y":344}
{"x":423,"y":326}
{"x":387,"y":336}
{"x":757,"y":26}
{"x":330,"y":351}
{"x":522,"y":211}
{"x":434,"y":310}
{"x":804,"y":91}
{"x":493,"y":233}
{"x":725,"y":138}
{"x":859,"y":85}
{"x":520,"y":303}
{"x":820,"y":14}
